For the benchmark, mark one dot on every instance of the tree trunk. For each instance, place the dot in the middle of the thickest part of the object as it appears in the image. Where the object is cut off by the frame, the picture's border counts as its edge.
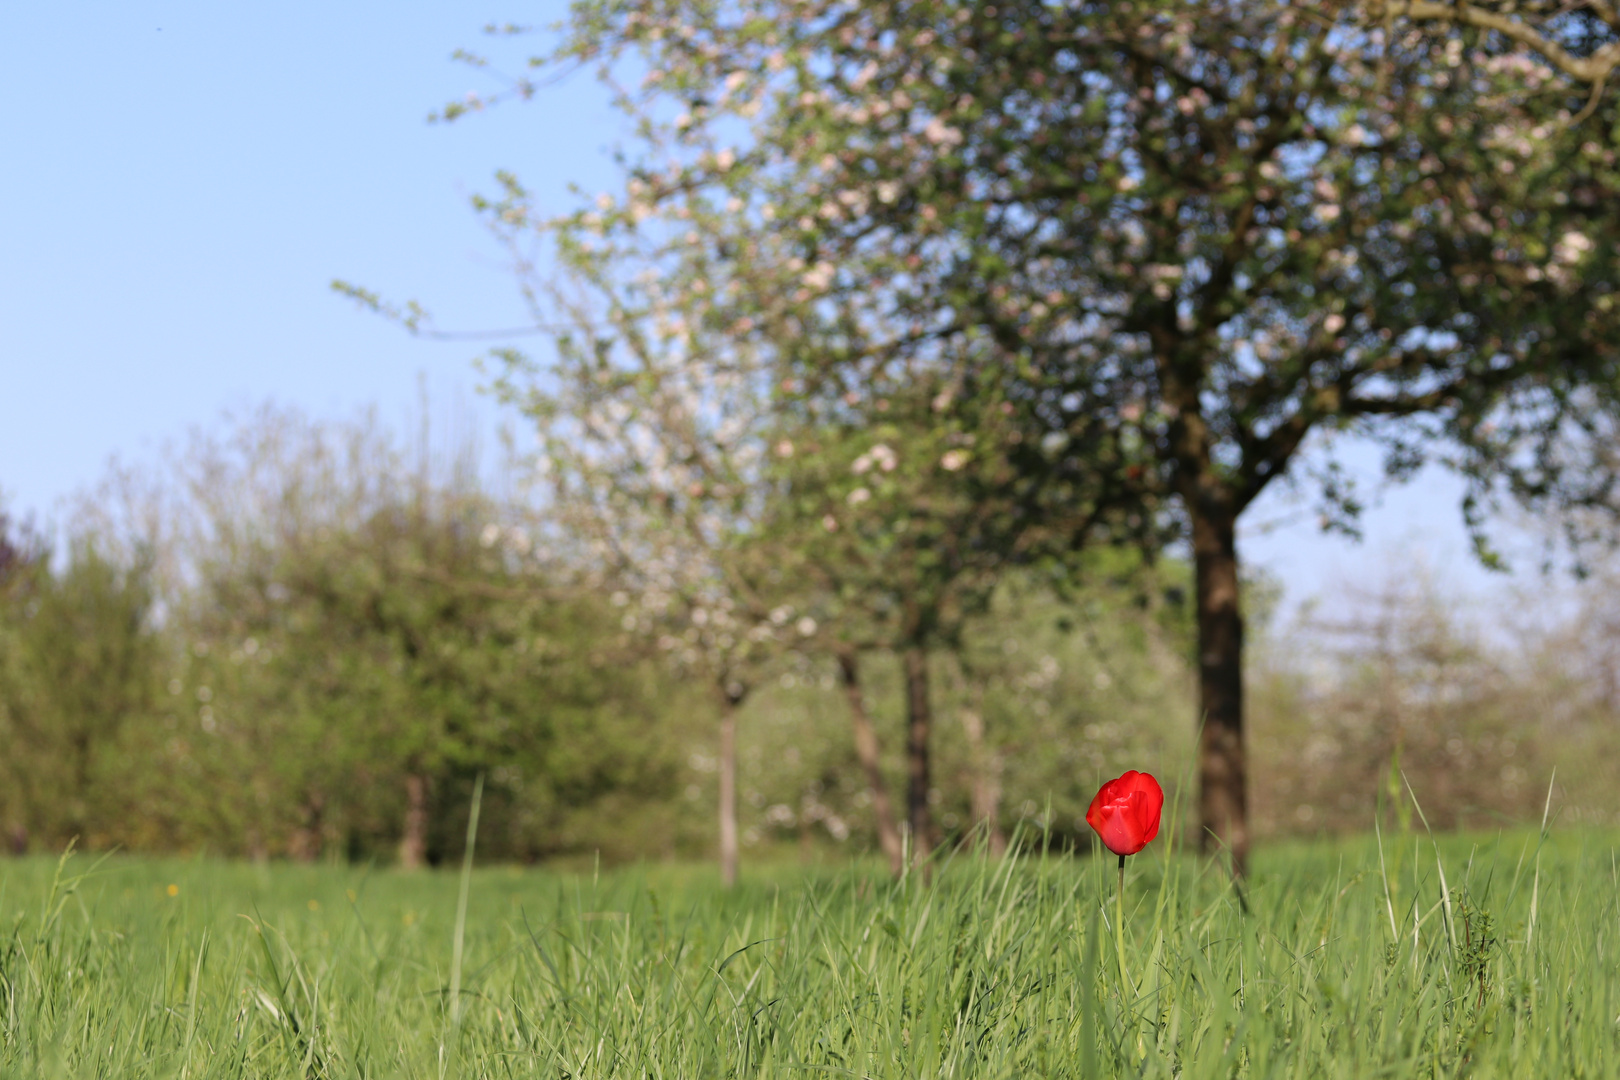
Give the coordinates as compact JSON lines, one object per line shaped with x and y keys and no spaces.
{"x":986,"y":786}
{"x":1222,"y":790}
{"x":413,"y":842}
{"x":870,"y":755}
{"x":807,"y":843}
{"x":728,"y":791}
{"x":79,"y":804}
{"x":307,"y":839}
{"x":920,"y":719}
{"x":257,"y":852}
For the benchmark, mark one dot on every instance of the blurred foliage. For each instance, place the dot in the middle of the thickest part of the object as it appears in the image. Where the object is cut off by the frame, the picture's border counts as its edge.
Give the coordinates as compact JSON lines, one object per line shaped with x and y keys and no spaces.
{"x":327,"y":618}
{"x":79,"y":660}
{"x":341,"y":631}
{"x":1068,"y":691}
{"x":341,"y":622}
{"x":902,"y":309}
{"x":1416,"y":699}
{"x":1151,"y":251}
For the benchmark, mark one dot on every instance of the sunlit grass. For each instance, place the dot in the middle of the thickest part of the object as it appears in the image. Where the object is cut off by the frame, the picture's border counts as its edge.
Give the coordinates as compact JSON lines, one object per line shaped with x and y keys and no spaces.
{"x":166,"y":968}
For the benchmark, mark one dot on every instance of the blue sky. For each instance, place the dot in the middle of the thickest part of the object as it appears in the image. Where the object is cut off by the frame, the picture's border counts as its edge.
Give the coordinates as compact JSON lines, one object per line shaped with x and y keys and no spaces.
{"x":184,"y":179}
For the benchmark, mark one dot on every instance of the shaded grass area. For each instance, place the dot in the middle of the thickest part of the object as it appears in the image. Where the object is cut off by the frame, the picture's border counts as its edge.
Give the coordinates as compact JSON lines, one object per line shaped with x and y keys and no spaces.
{"x":1350,"y":962}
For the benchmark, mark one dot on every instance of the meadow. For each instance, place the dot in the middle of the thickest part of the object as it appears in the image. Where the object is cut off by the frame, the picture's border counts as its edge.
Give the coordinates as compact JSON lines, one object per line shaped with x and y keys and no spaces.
{"x":1481,"y":956}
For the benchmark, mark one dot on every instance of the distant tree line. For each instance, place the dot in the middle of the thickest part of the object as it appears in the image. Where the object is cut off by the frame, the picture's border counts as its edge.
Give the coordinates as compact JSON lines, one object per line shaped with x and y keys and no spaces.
{"x":305,"y":640}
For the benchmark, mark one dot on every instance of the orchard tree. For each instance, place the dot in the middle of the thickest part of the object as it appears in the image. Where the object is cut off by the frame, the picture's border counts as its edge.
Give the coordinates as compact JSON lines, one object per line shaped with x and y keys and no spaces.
{"x":1205,"y":231}
{"x":906,"y":506}
{"x":653,"y":448}
{"x":362,"y":626}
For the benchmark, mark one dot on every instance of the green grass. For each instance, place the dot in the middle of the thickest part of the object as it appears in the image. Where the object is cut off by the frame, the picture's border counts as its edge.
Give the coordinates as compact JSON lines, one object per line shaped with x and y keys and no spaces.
{"x":997,"y":969}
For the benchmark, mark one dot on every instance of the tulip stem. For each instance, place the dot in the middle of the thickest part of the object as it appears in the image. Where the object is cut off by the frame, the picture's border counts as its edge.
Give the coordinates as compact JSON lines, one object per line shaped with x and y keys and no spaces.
{"x":1119,"y":934}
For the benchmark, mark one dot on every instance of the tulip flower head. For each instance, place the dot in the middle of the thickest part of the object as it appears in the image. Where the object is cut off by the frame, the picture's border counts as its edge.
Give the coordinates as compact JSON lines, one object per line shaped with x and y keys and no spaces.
{"x":1125,"y":813}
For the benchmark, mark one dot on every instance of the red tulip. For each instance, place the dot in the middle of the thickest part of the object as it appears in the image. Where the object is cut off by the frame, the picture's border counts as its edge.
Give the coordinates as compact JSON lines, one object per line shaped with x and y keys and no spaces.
{"x":1125,"y":813}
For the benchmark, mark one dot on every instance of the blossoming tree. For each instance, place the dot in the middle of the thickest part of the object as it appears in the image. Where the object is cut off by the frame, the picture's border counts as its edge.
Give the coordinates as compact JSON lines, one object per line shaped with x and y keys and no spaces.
{"x":653,"y":455}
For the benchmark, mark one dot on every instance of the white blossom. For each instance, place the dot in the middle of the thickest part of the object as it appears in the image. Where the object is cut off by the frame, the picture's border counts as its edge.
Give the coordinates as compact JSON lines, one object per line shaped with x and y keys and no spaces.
{"x":819,"y":276}
{"x":941,"y":134}
{"x":1571,"y":246}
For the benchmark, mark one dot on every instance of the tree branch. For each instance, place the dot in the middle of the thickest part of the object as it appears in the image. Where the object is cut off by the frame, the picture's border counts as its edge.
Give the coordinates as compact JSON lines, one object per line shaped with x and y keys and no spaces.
{"x":1594,"y":69}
